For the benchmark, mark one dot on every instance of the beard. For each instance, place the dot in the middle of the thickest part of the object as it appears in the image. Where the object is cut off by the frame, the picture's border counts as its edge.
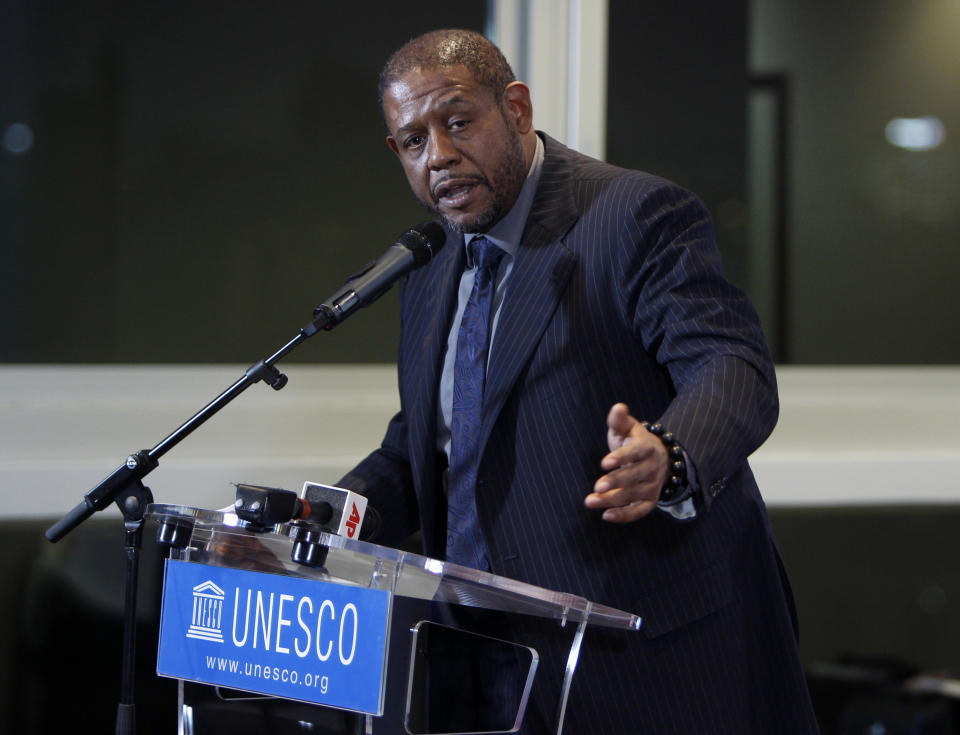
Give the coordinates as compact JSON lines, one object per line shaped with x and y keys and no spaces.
{"x":509,"y":175}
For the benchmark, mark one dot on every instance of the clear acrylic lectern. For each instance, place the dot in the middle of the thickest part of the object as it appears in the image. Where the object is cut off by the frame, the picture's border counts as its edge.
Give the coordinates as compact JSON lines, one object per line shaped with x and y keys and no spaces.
{"x":291,"y":629}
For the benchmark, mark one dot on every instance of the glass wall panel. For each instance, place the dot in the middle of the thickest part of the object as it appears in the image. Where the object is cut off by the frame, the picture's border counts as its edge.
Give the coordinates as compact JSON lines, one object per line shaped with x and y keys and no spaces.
{"x":872,"y":176}
{"x":184,"y":182}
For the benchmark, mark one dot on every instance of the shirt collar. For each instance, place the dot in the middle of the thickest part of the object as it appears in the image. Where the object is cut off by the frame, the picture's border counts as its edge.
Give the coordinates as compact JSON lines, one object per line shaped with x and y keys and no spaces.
{"x":506,"y":233}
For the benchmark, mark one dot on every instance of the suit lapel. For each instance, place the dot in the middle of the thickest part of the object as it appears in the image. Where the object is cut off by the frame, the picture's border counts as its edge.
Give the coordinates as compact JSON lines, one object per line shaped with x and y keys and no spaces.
{"x":540,"y":275}
{"x":427,"y":326}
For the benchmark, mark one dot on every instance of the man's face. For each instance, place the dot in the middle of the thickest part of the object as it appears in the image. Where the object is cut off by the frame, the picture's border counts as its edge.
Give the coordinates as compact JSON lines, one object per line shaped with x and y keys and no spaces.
{"x":461,"y":151}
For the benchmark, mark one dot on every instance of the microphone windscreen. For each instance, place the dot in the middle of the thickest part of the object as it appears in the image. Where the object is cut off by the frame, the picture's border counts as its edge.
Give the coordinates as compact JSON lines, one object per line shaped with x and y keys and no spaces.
{"x":424,"y":241}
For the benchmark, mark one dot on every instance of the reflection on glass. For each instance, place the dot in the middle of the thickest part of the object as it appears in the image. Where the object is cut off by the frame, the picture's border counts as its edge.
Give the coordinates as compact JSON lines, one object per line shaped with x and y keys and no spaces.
{"x":18,"y":138}
{"x":916,"y":133}
{"x":465,"y":682}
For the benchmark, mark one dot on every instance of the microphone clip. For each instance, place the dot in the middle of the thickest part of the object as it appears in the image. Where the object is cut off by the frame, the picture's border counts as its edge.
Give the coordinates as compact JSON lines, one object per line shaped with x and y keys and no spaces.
{"x":268,"y":374}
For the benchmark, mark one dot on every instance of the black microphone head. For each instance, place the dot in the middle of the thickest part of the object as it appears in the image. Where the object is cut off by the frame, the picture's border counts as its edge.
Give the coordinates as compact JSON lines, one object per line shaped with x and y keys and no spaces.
{"x":424,"y":241}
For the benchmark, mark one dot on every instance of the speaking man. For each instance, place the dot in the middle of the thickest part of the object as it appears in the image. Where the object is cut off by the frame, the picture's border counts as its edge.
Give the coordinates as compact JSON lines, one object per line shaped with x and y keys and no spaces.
{"x":580,"y":389}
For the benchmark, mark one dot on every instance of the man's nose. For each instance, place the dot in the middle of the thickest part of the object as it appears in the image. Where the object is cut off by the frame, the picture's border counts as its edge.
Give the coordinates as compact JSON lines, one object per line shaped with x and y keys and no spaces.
{"x":443,"y":151}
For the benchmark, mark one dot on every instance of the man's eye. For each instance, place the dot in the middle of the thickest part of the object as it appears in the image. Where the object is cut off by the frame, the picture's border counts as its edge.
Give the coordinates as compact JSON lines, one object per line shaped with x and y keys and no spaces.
{"x":459,"y":124}
{"x":414,"y":141}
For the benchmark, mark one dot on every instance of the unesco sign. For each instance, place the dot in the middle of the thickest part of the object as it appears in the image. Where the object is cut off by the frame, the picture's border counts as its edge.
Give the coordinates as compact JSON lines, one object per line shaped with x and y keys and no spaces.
{"x":283,"y":636}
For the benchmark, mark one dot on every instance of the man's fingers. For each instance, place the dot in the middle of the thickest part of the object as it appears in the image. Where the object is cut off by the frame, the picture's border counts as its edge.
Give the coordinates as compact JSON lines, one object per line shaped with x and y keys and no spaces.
{"x":630,"y":489}
{"x":629,"y":513}
{"x":622,"y":492}
{"x":610,"y":499}
{"x":623,"y":504}
{"x":629,"y":476}
{"x":619,"y":420}
{"x":629,"y":453}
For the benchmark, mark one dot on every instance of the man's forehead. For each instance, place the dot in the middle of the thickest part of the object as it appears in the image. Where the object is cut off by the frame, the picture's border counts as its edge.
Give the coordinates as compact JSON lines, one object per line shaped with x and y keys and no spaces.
{"x":419,"y":86}
{"x":420,"y":81}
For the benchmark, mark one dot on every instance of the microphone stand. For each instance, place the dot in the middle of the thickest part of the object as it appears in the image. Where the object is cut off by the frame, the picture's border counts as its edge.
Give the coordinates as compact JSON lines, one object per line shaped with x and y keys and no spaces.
{"x":125,"y":488}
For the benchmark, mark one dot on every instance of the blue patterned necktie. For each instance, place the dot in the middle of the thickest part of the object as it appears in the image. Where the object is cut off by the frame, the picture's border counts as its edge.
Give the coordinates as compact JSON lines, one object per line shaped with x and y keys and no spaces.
{"x":465,"y":544}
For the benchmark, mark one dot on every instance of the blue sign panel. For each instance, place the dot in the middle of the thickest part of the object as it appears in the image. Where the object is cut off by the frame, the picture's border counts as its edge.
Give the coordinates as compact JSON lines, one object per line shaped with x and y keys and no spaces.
{"x":283,"y":636}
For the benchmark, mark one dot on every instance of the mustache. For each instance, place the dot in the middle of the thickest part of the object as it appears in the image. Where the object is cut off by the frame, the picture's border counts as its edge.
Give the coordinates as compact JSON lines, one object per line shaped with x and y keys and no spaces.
{"x":478,"y":178}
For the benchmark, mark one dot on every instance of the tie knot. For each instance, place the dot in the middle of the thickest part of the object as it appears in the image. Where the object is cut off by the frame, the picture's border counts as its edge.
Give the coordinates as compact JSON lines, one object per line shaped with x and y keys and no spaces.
{"x":486,"y":255}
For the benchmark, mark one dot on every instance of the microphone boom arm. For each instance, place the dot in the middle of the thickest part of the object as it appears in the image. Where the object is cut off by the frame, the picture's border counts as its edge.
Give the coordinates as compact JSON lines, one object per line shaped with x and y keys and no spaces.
{"x":124,"y":486}
{"x":413,"y":249}
{"x":139,"y":464}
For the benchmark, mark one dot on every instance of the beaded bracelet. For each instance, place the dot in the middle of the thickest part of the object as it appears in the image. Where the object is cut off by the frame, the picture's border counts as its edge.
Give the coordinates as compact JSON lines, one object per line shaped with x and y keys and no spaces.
{"x":677,"y":480}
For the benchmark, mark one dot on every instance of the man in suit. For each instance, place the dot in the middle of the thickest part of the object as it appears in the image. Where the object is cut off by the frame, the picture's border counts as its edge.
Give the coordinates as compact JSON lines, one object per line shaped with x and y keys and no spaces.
{"x":528,"y":452}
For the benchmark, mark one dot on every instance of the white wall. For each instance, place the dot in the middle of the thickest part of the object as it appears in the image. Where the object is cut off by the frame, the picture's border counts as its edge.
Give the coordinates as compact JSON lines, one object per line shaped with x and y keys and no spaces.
{"x":851,"y":435}
{"x":846,"y":435}
{"x":559,"y":48}
{"x":66,"y":428}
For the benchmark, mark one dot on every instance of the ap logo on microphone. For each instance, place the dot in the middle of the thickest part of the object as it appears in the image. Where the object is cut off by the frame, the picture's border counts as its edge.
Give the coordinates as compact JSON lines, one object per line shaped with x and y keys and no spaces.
{"x":353,"y":522}
{"x":336,"y":509}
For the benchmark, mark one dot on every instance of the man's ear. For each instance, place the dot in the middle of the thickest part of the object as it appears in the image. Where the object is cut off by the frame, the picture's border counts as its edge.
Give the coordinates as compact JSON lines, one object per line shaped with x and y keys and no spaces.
{"x":517,"y":106}
{"x":393,"y":145}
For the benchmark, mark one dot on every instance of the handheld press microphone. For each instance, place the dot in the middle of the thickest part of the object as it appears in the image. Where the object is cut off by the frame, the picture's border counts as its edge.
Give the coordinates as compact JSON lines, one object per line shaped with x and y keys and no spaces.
{"x":341,"y":511}
{"x":333,"y":509}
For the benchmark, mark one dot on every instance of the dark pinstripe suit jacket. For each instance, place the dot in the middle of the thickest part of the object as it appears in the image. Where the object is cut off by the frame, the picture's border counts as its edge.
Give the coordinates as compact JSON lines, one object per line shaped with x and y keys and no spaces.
{"x":617,"y":294}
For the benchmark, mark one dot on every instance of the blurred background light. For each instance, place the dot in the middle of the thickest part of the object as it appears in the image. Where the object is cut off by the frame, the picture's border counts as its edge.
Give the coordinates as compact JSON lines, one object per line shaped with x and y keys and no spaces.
{"x":916,"y":133}
{"x":18,"y":138}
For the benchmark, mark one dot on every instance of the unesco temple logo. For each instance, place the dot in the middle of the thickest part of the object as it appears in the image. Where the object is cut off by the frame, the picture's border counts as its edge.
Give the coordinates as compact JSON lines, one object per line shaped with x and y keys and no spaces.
{"x":207,"y":613}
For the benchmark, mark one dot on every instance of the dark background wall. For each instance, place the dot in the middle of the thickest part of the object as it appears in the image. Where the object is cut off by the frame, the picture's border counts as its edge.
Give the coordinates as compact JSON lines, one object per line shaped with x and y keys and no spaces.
{"x":202,"y":175}
{"x":676,"y":105}
{"x":874,"y":229}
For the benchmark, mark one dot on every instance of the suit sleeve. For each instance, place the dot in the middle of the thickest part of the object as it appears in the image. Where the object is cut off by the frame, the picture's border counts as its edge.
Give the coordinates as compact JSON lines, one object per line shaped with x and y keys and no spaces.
{"x":384,"y":476}
{"x":702,"y":329}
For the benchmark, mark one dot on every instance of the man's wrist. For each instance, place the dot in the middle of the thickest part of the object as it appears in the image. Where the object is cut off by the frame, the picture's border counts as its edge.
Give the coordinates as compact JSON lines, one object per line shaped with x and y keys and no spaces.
{"x":677,"y":487}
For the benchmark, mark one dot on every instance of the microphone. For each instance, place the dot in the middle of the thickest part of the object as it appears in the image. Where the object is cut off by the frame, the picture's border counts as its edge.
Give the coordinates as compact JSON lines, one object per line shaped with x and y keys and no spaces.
{"x":267,"y":506}
{"x":333,"y":509}
{"x":413,"y":249}
{"x":340,"y":511}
